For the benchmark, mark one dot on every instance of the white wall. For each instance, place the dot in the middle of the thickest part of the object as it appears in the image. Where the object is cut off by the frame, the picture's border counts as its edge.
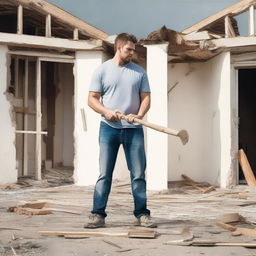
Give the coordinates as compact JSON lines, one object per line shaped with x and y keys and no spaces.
{"x":200,"y":103}
{"x":8,"y":172}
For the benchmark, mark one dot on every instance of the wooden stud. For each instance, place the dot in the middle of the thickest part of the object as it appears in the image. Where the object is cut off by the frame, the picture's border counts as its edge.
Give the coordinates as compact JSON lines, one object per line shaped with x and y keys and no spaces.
{"x":246,"y":168}
{"x":48,"y":26}
{"x":20,"y":20}
{"x":76,"y":34}
{"x":251,"y":20}
{"x":16,"y":81}
{"x":38,"y":120}
{"x":25,"y":105}
{"x":229,"y":30}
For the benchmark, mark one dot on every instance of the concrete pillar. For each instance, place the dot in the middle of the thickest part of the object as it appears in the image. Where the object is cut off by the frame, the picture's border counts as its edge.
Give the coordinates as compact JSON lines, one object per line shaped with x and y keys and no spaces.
{"x":86,"y":127}
{"x":8,"y":171}
{"x":157,"y":143}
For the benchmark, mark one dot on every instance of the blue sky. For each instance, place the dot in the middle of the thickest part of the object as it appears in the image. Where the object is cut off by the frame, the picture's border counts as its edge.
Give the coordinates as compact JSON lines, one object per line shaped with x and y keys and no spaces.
{"x":141,"y":17}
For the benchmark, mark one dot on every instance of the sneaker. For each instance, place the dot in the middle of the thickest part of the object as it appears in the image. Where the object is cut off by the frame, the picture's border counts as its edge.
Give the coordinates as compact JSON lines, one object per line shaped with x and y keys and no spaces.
{"x":95,"y":221}
{"x":146,"y":221}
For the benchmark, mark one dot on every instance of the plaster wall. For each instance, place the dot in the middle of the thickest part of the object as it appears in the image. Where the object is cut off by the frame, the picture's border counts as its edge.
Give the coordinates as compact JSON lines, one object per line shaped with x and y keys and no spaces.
{"x":200,"y":103}
{"x":8,"y":171}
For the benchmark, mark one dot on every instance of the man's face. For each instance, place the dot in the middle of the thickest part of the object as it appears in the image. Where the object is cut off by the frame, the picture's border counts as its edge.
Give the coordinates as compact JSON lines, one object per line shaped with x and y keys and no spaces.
{"x":126,"y":51}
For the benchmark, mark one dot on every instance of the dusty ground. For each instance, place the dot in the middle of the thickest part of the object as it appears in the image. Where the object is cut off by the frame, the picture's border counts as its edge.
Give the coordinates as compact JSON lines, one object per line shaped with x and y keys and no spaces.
{"x":173,"y":210}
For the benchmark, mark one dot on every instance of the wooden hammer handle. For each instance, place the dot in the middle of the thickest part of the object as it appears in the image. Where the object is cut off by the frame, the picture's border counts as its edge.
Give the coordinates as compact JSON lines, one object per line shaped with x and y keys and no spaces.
{"x":156,"y":127}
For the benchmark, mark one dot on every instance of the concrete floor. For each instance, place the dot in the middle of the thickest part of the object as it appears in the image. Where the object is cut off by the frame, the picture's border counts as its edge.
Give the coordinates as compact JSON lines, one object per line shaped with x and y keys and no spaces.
{"x":173,"y":210}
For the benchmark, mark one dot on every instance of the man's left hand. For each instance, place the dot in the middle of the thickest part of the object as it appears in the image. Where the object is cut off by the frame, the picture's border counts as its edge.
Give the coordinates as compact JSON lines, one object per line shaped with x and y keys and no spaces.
{"x":130,"y":118}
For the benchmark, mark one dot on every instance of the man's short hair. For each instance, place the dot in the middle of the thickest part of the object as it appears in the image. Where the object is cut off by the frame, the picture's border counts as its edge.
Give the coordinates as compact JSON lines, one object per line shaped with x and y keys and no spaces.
{"x":123,"y":38}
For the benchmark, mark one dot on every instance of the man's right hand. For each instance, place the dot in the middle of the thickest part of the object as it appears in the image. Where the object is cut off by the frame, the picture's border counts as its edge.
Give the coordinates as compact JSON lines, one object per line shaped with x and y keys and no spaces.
{"x":113,"y":115}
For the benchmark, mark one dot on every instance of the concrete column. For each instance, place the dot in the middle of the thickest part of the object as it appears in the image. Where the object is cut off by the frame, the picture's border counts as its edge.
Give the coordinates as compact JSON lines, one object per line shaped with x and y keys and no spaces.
{"x":8,"y":171}
{"x":157,"y":143}
{"x":86,"y":127}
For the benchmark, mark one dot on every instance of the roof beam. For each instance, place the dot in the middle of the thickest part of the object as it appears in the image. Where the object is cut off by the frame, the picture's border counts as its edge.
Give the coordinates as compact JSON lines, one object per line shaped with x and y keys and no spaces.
{"x":52,"y":43}
{"x":45,"y":8}
{"x":20,"y":20}
{"x":232,"y":10}
{"x":234,"y":42}
{"x":251,"y":21}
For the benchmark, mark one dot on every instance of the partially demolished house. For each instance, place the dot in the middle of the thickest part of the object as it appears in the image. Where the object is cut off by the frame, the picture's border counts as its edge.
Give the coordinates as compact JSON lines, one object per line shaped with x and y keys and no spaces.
{"x":201,"y":80}
{"x":205,"y":79}
{"x":47,"y":59}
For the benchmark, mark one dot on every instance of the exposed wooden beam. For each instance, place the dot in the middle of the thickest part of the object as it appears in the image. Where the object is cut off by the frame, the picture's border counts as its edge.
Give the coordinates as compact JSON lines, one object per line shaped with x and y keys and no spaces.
{"x":25,"y":105}
{"x":229,"y":30}
{"x":20,"y":20}
{"x":48,"y":26}
{"x":234,"y":42}
{"x":232,"y":10}
{"x":251,"y":21}
{"x":64,"y":17}
{"x":49,"y":43}
{"x":38,"y":121}
{"x":76,"y":34}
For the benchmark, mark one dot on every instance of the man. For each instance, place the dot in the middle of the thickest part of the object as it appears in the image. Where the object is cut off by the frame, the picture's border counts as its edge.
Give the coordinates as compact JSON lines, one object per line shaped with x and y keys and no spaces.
{"x":120,"y":92}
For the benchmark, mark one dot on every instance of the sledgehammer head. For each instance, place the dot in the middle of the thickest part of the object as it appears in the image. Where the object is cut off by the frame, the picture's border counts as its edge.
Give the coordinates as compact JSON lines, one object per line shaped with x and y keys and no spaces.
{"x":183,"y":134}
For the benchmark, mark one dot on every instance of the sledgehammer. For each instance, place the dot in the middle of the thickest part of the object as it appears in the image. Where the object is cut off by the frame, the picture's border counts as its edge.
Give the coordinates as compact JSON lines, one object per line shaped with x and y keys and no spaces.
{"x":182,"y":134}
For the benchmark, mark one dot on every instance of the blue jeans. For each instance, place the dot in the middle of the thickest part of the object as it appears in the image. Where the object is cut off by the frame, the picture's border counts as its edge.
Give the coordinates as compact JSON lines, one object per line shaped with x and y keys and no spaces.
{"x":133,"y":143}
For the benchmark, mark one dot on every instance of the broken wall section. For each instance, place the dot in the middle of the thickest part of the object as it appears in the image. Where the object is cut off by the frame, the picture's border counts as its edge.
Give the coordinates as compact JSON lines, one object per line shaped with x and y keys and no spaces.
{"x":200,"y":103}
{"x":8,"y":172}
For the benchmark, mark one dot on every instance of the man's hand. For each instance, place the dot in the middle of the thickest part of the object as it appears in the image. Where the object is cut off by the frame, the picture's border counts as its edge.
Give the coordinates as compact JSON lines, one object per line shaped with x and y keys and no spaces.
{"x":130,"y":118}
{"x":113,"y":115}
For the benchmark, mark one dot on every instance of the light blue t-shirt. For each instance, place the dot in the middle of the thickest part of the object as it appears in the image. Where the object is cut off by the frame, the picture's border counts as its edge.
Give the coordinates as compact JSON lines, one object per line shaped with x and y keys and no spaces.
{"x":120,"y":88}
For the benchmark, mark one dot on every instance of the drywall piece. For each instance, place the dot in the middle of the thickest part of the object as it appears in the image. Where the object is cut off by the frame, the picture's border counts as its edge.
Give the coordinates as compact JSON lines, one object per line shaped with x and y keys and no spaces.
{"x":8,"y":172}
{"x":157,"y":143}
{"x":86,"y":166}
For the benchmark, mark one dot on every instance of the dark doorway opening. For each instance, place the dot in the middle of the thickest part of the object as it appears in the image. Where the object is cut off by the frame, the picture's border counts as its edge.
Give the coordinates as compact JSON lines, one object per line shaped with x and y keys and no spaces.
{"x":247,"y":116}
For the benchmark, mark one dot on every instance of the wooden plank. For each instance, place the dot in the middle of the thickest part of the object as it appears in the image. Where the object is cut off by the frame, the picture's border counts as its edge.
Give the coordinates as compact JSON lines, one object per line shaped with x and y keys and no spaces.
{"x":229,"y":30}
{"x":42,"y":54}
{"x":232,"y":10}
{"x":202,"y":35}
{"x":49,"y":43}
{"x":246,"y":168}
{"x":233,"y":42}
{"x":38,"y":121}
{"x":191,"y":182}
{"x":63,"y":210}
{"x":25,"y":105}
{"x":251,"y":21}
{"x":31,"y":132}
{"x":226,"y":226}
{"x":20,"y":20}
{"x":48,"y":26}
{"x":82,"y":234}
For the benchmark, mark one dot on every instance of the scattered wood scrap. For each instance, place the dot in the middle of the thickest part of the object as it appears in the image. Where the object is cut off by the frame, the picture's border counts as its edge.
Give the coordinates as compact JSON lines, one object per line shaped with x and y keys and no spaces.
{"x":39,"y":208}
{"x":211,"y":243}
{"x":237,"y":231}
{"x":200,"y":187}
{"x":246,"y":168}
{"x":70,"y":234}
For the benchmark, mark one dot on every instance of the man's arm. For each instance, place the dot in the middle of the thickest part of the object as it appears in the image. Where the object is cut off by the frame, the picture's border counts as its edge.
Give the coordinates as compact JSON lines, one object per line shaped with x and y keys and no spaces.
{"x":144,"y":107}
{"x":97,"y":106}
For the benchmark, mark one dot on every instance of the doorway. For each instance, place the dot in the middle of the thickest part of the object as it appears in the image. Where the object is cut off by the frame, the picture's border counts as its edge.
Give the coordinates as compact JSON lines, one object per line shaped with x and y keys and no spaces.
{"x":43,"y":92}
{"x":247,"y":116}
